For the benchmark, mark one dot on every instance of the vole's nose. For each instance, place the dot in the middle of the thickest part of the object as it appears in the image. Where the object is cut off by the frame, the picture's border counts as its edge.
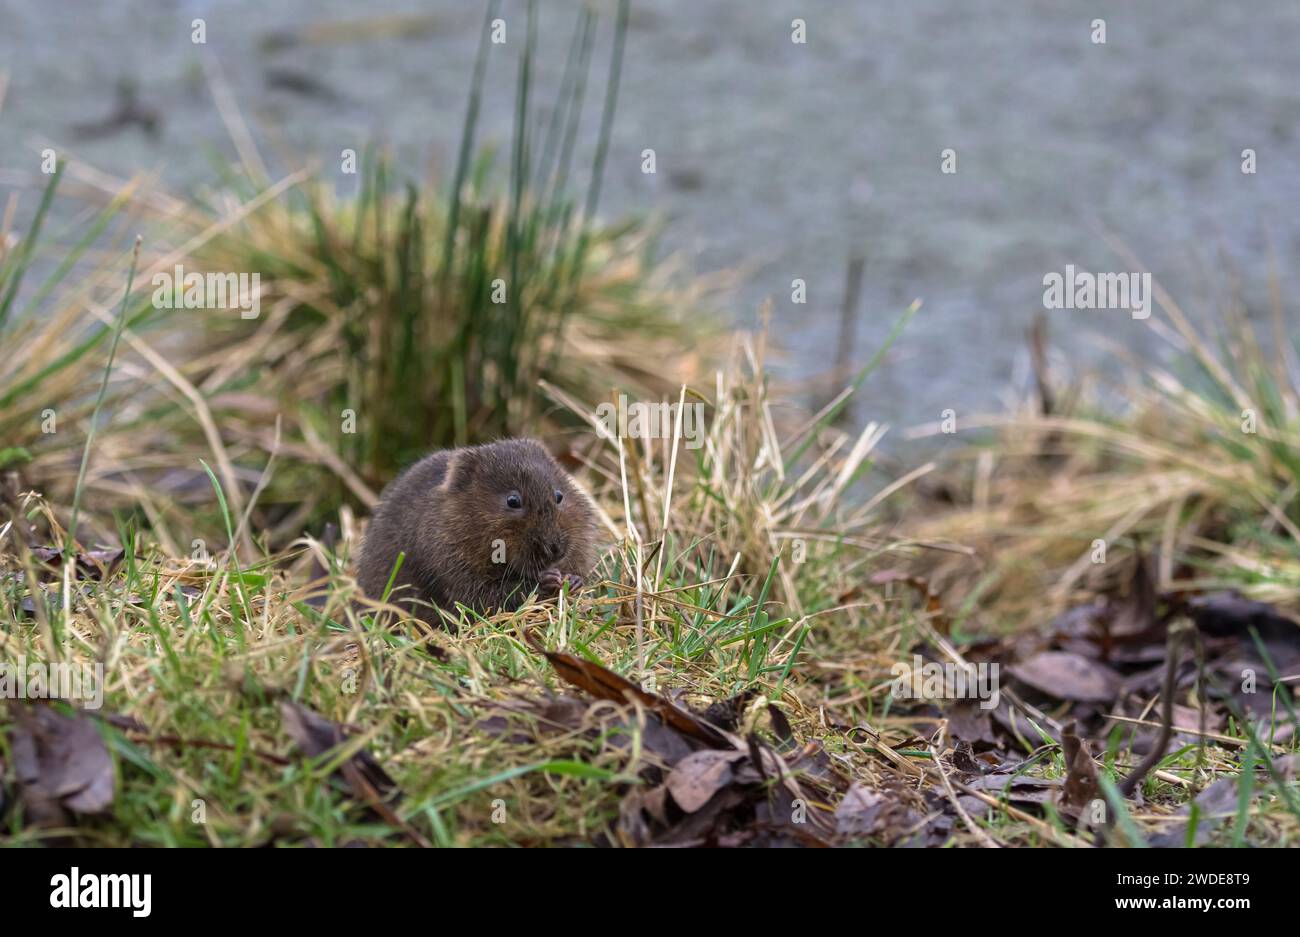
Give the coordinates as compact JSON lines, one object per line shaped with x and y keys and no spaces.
{"x":554,"y":549}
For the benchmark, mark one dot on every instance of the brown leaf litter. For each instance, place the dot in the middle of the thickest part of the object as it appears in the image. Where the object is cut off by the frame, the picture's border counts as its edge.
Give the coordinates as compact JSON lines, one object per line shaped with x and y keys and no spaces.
{"x":61,"y":765}
{"x":703,"y":784}
{"x":1164,"y":669}
{"x":367,"y":781}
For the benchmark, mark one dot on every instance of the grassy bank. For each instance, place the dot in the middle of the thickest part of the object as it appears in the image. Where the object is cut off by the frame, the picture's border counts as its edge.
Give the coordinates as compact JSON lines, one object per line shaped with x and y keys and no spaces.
{"x":255,"y":698}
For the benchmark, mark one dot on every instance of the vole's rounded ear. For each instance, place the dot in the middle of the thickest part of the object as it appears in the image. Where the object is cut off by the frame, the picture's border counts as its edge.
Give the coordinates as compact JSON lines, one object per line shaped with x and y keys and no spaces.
{"x":461,"y":465}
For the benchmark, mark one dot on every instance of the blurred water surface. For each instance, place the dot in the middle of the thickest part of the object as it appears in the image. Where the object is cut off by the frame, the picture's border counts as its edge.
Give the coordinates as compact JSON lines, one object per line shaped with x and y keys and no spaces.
{"x":781,"y":157}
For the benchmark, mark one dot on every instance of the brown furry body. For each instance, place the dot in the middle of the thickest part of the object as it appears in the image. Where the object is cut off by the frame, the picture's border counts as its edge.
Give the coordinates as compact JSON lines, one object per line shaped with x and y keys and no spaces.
{"x":454,"y":515}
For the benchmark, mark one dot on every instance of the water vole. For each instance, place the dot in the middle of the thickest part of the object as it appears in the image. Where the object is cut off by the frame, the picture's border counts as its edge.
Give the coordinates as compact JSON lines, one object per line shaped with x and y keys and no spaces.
{"x":483,"y":525}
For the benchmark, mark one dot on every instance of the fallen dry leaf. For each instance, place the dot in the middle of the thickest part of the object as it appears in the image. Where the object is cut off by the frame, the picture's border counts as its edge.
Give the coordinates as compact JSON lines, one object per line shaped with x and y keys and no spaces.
{"x":603,"y":683}
{"x":369,"y":783}
{"x":1068,"y":676}
{"x":970,"y":724}
{"x":861,"y":811}
{"x":316,"y":736}
{"x":61,"y":764}
{"x":89,"y":564}
{"x":700,"y":775}
{"x":1081,"y":786}
{"x":1227,"y":613}
{"x":880,"y":814}
{"x":1017,"y":787}
{"x":1134,"y":615}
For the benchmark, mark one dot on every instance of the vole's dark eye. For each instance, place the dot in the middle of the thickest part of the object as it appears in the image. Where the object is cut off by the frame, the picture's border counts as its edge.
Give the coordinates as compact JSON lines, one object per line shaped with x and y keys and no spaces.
{"x":514,"y":502}
{"x":559,"y":496}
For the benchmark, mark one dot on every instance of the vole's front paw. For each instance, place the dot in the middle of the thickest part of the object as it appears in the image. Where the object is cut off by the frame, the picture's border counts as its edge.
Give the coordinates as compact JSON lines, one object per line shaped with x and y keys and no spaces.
{"x":552,"y":580}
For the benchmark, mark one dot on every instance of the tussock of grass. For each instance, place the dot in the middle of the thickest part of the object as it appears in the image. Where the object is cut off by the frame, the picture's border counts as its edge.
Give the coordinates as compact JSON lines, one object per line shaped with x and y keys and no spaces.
{"x":365,"y":319}
{"x":1178,"y":474}
{"x":405,"y":316}
{"x":55,"y":345}
{"x":396,"y":318}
